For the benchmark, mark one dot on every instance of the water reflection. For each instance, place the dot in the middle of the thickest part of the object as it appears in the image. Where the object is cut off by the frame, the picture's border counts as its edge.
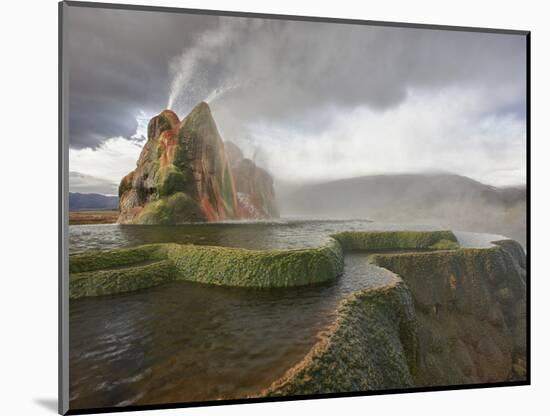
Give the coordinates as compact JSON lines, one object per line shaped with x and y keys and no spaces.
{"x":183,"y":341}
{"x":258,"y":235}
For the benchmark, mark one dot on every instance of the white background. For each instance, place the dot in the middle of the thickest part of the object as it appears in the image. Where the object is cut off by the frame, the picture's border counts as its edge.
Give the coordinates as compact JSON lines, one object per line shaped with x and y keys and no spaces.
{"x":28,"y":205}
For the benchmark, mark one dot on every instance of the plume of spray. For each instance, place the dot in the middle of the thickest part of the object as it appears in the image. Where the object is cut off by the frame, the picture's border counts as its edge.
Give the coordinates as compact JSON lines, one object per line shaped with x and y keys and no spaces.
{"x":189,"y":84}
{"x":219,"y":92}
{"x":194,"y":78}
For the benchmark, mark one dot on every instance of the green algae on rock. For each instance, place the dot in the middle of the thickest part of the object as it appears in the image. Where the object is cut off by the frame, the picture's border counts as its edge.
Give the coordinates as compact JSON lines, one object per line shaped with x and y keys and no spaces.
{"x":470,"y":311}
{"x":183,"y":175}
{"x":451,"y":315}
{"x":106,"y":259}
{"x":204,"y":264}
{"x":250,"y":268}
{"x":128,"y":279}
{"x":253,"y":268}
{"x":107,"y":272}
{"x":371,"y":346}
{"x":176,"y":208}
{"x":462,"y":319}
{"x":389,"y":240}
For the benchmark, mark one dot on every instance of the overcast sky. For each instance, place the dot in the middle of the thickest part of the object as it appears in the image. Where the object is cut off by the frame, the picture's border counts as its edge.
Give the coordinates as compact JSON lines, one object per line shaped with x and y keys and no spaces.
{"x":308,"y":101}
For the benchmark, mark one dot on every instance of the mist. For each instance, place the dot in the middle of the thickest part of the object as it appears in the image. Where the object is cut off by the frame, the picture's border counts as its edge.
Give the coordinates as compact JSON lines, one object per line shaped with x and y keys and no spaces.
{"x":315,"y":101}
{"x":438,"y":199}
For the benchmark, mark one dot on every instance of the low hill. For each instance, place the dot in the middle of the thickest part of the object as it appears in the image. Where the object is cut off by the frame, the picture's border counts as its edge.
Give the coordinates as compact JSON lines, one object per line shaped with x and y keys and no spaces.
{"x":437,"y":199}
{"x":81,"y":202}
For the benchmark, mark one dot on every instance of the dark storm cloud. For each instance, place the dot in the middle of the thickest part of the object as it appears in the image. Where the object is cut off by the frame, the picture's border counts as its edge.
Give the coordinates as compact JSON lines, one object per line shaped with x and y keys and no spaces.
{"x":284,"y":71}
{"x":119,"y":66}
{"x":268,"y":71}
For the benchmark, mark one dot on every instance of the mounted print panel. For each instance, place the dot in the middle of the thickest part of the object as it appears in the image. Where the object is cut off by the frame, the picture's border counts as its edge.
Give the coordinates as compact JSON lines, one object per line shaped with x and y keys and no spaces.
{"x":263,"y":208}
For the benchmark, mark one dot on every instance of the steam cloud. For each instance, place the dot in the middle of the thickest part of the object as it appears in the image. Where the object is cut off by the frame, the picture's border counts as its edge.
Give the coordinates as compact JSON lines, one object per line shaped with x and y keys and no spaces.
{"x":309,"y":101}
{"x":294,"y":90}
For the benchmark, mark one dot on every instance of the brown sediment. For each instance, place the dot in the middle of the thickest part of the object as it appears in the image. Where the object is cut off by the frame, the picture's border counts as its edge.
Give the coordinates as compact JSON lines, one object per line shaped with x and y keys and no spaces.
{"x":168,"y":142}
{"x":93,"y":217}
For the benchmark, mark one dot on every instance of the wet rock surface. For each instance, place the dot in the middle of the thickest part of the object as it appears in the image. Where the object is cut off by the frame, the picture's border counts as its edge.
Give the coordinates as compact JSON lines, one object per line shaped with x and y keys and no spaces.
{"x":470,"y":311}
{"x":395,"y":319}
{"x":183,"y":175}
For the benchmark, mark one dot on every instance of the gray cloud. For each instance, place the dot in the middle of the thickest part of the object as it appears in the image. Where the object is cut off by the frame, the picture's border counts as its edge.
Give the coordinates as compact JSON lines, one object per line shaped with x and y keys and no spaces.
{"x":119,"y":66}
{"x":125,"y":61}
{"x":79,"y":182}
{"x":276,"y":71}
{"x":281,"y":88}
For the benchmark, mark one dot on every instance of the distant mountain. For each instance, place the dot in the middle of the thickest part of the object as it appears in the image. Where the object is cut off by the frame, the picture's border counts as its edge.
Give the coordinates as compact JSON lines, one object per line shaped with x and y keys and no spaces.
{"x":80,"y":202}
{"x":439,"y":199}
